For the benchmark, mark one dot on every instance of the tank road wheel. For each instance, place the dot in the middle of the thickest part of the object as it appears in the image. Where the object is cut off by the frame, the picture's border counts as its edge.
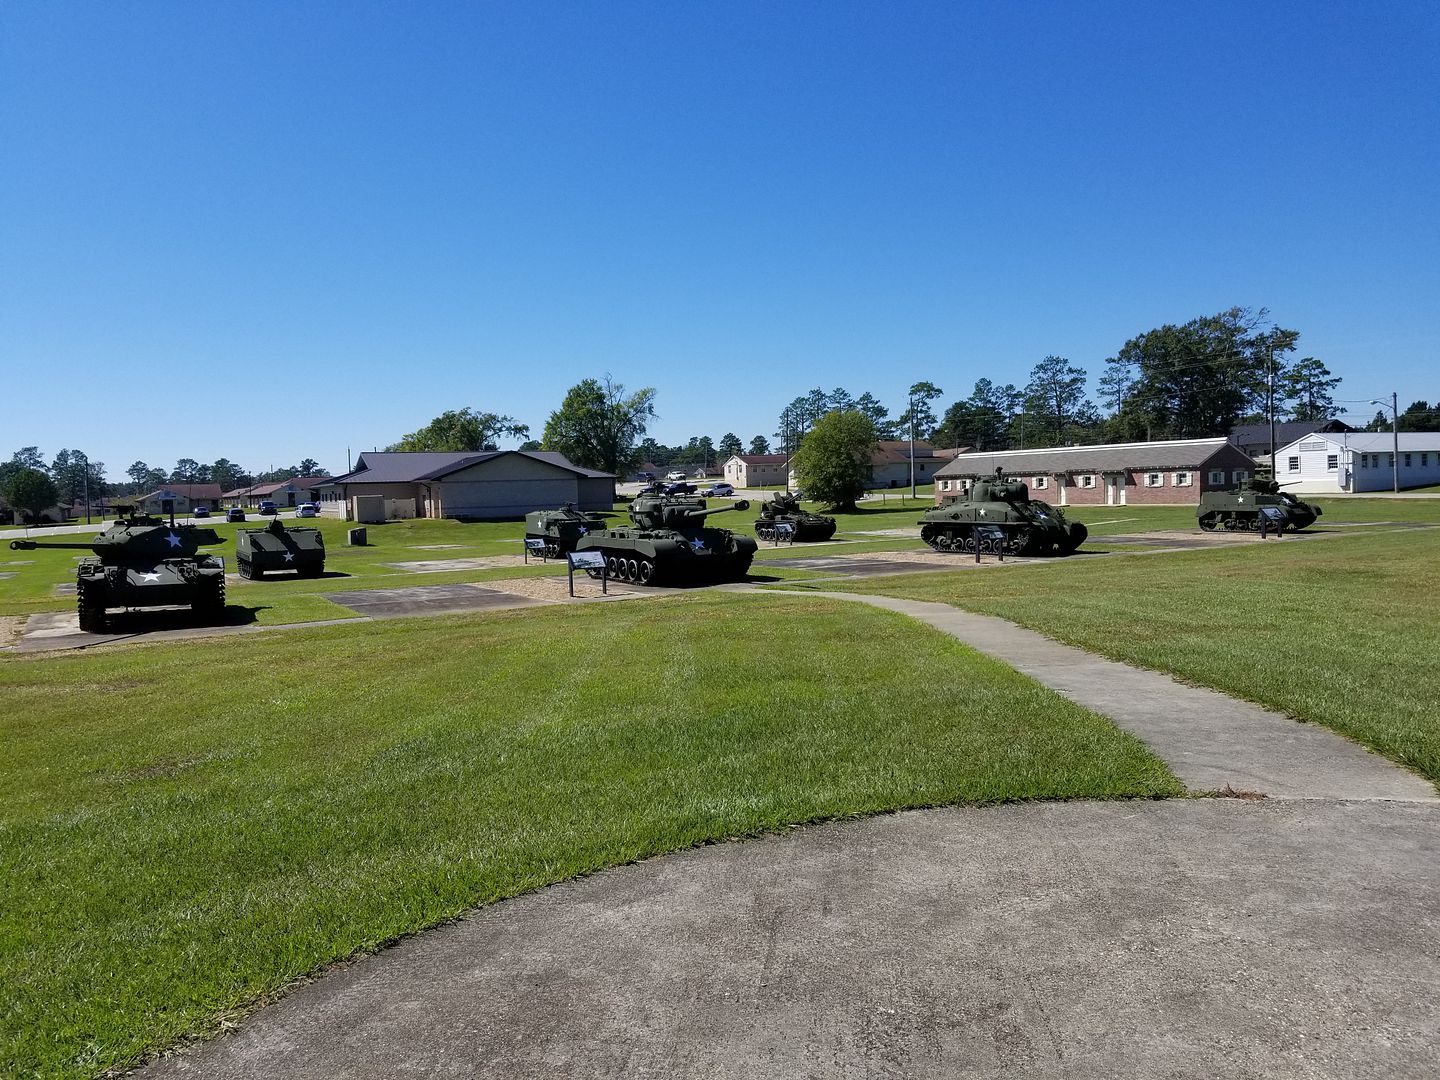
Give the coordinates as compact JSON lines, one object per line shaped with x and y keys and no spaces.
{"x":965,"y":542}
{"x":612,"y":566}
{"x":90,"y":603}
{"x":1017,"y":542}
{"x":1253,"y":524}
{"x":943,"y":541}
{"x":931,"y":536}
{"x":645,"y":574}
{"x":243,"y":567}
{"x":1208,"y":521}
{"x":632,"y":570}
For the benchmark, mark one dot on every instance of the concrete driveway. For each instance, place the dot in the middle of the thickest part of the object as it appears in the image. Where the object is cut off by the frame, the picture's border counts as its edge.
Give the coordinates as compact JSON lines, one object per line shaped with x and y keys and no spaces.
{"x":1188,"y":938}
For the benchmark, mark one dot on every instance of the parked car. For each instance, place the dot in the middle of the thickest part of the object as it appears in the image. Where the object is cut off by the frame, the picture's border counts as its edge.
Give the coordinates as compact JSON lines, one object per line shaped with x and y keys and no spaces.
{"x":680,"y":489}
{"x":646,"y":477}
{"x":721,"y":489}
{"x":267,"y":508}
{"x":200,"y":511}
{"x":307,"y":510}
{"x":675,"y":474}
{"x":235,"y":514}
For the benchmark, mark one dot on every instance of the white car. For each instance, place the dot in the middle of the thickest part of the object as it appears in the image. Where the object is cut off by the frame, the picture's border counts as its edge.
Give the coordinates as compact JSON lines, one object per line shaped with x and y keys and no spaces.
{"x":307,"y":510}
{"x":721,"y":489}
{"x":675,"y":474}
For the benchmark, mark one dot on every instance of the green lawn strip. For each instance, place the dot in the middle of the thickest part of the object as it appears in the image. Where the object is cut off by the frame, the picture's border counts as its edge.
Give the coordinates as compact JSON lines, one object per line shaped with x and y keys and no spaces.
{"x":187,"y":828}
{"x":1341,"y":631}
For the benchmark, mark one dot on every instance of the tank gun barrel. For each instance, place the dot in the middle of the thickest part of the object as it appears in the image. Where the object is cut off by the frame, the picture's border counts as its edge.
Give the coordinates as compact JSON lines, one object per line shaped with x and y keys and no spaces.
{"x":700,"y":515}
{"x":31,"y":545}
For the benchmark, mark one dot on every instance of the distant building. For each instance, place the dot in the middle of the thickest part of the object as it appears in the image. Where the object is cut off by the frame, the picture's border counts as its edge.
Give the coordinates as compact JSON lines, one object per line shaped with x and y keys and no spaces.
{"x":301,"y":489}
{"x":1171,"y":472}
{"x":1359,"y":461}
{"x":890,"y":463}
{"x":492,"y":484}
{"x":756,"y":470}
{"x":179,"y":499}
{"x":1254,"y":439}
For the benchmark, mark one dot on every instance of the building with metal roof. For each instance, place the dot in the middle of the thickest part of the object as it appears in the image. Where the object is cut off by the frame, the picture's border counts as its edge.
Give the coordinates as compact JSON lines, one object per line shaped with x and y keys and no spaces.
{"x":1171,"y":471}
{"x":488,"y":484}
{"x":1351,"y":461}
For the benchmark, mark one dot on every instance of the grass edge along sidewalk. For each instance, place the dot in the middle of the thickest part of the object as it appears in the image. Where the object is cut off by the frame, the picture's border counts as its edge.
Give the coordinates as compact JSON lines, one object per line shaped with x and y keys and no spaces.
{"x":1343,"y":633}
{"x":188,"y":828}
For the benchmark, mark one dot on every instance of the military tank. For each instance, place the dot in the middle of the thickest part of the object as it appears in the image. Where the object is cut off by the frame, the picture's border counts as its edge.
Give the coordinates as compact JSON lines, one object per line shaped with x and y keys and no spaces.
{"x":668,"y":543}
{"x":1240,"y":507}
{"x":1029,"y":526}
{"x":560,"y":529}
{"x":784,"y":509}
{"x":259,"y":551}
{"x":141,"y":562}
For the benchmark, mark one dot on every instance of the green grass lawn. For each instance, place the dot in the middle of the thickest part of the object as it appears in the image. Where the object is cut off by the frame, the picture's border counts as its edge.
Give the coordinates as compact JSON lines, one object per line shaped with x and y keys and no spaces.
{"x":188,"y":827}
{"x":1342,"y":631}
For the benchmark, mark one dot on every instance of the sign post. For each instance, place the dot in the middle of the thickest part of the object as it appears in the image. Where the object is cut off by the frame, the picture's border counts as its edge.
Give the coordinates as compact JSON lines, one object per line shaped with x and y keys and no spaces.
{"x":1271,"y":518}
{"x":536,"y":545}
{"x":588,"y":560}
{"x":784,"y":530}
{"x":992,"y":538}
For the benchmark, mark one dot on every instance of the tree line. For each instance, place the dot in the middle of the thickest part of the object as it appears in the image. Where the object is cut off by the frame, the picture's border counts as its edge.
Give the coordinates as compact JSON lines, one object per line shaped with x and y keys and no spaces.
{"x":71,"y":477}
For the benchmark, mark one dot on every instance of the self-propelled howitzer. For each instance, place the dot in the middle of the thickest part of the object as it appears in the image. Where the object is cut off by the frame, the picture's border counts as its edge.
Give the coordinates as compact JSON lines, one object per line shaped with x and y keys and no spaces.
{"x":561,"y":529}
{"x":142,"y":562}
{"x":669,"y":543}
{"x":1027,"y":526}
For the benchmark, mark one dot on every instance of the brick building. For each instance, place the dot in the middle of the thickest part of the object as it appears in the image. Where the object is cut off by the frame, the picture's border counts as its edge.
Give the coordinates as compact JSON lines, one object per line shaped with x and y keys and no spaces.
{"x":1172,"y":472}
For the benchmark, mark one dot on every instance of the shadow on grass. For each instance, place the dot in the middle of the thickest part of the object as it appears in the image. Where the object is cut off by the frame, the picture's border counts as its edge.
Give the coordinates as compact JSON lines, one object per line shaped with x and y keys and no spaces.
{"x":149,"y":621}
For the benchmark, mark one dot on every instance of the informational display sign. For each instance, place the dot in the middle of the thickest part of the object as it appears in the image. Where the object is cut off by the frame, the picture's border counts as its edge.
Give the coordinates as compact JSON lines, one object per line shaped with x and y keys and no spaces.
{"x":784,"y":530}
{"x":534,"y":545}
{"x":989,"y":538}
{"x":588,"y":561}
{"x":1272,"y":519}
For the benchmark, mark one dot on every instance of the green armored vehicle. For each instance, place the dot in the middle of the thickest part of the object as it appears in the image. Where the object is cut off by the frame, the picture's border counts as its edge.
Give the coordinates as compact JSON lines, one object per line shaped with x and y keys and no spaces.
{"x":141,"y":562}
{"x":1242,"y":507}
{"x":1028,"y":526}
{"x":669,"y":543}
{"x":259,"y":551}
{"x":560,"y":529}
{"x":784,"y":509}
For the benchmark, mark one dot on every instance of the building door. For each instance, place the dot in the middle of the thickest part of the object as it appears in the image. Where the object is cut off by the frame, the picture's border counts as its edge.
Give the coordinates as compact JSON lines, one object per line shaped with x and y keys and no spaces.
{"x":1112,"y":490}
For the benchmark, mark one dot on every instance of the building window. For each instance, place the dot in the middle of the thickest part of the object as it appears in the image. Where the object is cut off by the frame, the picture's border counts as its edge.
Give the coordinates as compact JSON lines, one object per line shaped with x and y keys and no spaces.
{"x":1424,"y":461}
{"x":1088,"y":480}
{"x":944,"y":485}
{"x":1407,"y":461}
{"x":1154,"y":479}
{"x":1294,"y":464}
{"x":1182,"y":479}
{"x":1364,"y":461}
{"x":1242,"y":474}
{"x":1332,"y":462}
{"x":1217,"y":476}
{"x":1040,"y":482}
{"x":1391,"y":461}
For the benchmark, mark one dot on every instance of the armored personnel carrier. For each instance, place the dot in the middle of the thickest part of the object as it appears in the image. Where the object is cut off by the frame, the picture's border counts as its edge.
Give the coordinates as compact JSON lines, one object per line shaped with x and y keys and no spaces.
{"x":259,"y":551}
{"x":1241,"y":507}
{"x":561,"y":529}
{"x":668,"y":543}
{"x":1028,"y":526}
{"x":141,"y":562}
{"x":784,"y":509}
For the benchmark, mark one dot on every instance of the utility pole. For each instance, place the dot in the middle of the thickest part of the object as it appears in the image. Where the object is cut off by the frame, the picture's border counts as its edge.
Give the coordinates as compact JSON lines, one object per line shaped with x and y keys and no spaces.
{"x":912,"y":446}
{"x":1395,"y":437}
{"x":1270,"y":409}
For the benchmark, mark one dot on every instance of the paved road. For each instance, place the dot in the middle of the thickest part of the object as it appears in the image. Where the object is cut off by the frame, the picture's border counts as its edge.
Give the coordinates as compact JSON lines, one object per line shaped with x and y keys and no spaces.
{"x":1188,"y":938}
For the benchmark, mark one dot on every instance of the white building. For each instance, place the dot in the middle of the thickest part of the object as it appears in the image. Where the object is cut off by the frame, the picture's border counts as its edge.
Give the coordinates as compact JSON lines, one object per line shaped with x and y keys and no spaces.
{"x":1358,"y":461}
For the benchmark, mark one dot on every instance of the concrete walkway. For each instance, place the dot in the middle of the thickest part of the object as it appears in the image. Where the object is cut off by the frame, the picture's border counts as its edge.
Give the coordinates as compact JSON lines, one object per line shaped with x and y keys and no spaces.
{"x":1212,"y":742}
{"x":1182,"y":939}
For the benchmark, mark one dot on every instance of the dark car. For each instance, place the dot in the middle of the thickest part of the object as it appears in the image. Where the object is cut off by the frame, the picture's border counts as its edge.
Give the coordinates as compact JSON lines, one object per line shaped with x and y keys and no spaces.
{"x":267,"y":508}
{"x":680,"y":489}
{"x":647,"y":477}
{"x":200,"y":511}
{"x":235,"y":514}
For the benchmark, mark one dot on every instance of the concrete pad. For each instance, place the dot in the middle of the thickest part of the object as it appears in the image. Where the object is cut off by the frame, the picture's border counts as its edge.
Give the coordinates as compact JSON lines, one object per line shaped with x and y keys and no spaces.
{"x":426,"y":600}
{"x":438,"y":566}
{"x":6,"y":575}
{"x":436,"y":547}
{"x":1180,"y":939}
{"x":1210,"y":741}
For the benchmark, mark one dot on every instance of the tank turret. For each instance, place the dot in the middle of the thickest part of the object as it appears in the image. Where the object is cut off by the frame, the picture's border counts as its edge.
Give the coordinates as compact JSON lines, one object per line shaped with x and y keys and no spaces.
{"x":784,"y":508}
{"x":1242,"y":507}
{"x":1028,"y":526}
{"x":560,"y":529}
{"x":668,"y":542}
{"x":141,"y":561}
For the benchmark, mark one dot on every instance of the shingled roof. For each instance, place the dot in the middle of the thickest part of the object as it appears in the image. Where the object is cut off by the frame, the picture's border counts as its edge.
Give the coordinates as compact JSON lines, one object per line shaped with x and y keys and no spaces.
{"x":1170,"y":454}
{"x":404,"y":467}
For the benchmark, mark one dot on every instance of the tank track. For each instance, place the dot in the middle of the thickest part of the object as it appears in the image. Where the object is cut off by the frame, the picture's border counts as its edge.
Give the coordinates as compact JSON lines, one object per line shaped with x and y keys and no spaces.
{"x":209,"y":602}
{"x":805,"y":531}
{"x":90,"y":603}
{"x":958,"y":537}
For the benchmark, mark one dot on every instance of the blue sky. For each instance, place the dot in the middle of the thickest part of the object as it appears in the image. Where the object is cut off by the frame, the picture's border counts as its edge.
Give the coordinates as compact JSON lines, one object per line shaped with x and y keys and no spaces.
{"x":271,"y":231}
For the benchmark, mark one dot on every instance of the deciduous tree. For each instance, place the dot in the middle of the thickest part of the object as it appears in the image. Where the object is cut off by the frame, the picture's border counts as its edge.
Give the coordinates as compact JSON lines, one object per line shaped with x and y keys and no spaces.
{"x":31,"y":492}
{"x":462,"y":430}
{"x":833,"y":463}
{"x":598,"y":424}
